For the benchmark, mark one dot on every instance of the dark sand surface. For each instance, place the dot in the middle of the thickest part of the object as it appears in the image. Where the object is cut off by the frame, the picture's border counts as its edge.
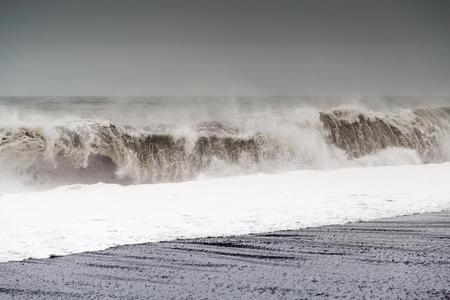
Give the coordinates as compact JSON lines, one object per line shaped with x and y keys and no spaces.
{"x":403,"y":257}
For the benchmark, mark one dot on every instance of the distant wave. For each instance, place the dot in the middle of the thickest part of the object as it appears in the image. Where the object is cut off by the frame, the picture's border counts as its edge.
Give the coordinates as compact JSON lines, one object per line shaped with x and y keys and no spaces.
{"x":87,"y":151}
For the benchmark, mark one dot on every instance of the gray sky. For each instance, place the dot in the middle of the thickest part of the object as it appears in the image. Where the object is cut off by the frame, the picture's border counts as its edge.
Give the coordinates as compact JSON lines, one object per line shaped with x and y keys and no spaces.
{"x":233,"y":47}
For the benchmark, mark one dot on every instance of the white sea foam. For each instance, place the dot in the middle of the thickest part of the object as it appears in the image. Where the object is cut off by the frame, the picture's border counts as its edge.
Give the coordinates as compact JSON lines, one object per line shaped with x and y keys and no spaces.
{"x":90,"y":217}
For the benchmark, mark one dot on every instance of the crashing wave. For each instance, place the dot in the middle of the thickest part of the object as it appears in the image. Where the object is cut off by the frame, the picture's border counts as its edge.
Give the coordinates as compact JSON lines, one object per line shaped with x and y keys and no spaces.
{"x":87,"y":151}
{"x":360,"y":134}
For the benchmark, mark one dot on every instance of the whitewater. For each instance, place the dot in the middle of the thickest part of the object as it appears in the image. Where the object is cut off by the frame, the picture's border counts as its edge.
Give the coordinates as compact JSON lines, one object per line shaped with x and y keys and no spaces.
{"x":86,"y":174}
{"x":91,"y":217}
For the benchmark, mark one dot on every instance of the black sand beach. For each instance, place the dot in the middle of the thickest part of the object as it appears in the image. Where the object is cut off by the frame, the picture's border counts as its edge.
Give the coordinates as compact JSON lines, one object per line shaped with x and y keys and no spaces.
{"x":403,"y":257}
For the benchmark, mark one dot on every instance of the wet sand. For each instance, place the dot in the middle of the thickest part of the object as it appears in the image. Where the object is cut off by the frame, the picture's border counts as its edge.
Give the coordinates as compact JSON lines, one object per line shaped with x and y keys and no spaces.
{"x":402,"y":257}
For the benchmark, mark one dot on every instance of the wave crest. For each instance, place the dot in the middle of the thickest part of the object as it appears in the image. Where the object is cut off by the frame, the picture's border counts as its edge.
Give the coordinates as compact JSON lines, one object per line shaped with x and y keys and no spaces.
{"x":87,"y":151}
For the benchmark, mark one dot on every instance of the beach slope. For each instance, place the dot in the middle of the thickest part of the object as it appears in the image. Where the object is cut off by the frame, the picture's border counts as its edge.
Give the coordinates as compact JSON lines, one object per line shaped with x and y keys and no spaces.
{"x":402,"y":257}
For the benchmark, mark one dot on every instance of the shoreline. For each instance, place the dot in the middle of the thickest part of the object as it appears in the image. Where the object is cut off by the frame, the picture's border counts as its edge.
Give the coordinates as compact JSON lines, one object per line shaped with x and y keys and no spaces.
{"x":398,"y":257}
{"x":95,"y":217}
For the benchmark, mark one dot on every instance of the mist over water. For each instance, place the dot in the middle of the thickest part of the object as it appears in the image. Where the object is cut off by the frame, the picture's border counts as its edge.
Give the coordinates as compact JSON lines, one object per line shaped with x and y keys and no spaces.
{"x":46,"y":142}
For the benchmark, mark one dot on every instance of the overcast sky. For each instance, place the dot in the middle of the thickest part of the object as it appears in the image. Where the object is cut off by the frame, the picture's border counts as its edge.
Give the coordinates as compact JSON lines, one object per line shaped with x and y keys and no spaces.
{"x":232,"y":47}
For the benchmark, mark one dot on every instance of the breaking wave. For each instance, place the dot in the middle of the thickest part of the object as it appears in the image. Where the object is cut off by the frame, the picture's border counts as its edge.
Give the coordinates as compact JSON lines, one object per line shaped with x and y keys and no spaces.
{"x":89,"y":150}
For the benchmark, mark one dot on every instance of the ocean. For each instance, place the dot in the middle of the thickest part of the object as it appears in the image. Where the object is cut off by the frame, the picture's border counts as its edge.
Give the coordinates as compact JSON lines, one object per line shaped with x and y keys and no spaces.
{"x":88,"y":173}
